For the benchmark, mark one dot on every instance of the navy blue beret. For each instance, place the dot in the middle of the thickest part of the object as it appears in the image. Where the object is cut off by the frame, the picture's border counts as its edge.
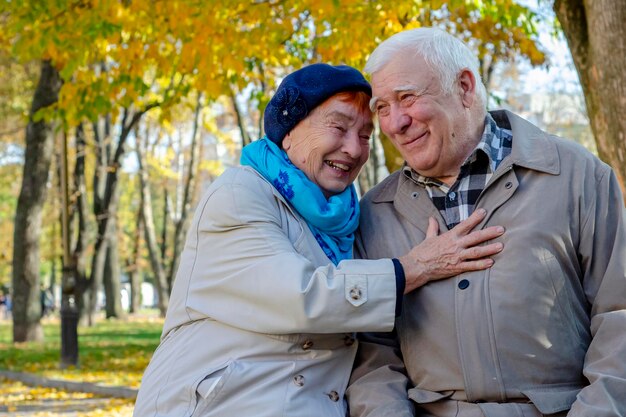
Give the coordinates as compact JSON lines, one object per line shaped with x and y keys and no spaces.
{"x":303,"y":90}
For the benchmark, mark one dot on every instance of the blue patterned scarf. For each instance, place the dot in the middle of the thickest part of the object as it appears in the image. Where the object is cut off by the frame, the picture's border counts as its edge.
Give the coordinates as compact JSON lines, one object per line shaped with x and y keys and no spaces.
{"x":332,"y":221}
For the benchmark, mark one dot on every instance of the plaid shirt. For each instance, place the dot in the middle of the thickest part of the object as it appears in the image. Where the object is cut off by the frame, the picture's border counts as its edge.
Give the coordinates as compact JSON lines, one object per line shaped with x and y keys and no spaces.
{"x":457,"y":202}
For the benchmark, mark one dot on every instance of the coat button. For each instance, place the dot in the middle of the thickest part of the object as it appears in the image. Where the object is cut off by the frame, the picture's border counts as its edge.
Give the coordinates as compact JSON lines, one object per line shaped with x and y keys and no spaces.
{"x":355,"y":293}
{"x":334,"y":396}
{"x":415,"y":194}
{"x":308,"y":344}
{"x":508,"y":185}
{"x":348,"y":340}
{"x":298,"y":380}
{"x":463,"y":284}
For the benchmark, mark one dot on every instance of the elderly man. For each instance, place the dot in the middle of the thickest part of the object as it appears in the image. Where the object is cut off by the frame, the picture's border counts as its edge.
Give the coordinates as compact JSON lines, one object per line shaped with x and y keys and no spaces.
{"x":542,"y":332}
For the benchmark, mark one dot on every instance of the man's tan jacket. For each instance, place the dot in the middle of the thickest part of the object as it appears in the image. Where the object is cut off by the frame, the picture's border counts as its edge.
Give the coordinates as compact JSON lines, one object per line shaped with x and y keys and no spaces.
{"x":542,"y":331}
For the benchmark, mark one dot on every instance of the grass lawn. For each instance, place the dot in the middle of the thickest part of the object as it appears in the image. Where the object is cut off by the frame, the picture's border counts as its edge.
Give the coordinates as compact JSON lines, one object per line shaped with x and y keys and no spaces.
{"x":110,"y":353}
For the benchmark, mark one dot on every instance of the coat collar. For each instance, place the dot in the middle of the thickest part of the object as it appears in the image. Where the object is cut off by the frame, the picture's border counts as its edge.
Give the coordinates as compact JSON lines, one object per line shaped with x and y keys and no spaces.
{"x":532,"y":149}
{"x":276,"y":193}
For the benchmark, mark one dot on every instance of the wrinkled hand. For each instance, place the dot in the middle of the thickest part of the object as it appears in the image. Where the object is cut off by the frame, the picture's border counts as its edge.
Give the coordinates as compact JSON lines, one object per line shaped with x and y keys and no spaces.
{"x":449,"y":254}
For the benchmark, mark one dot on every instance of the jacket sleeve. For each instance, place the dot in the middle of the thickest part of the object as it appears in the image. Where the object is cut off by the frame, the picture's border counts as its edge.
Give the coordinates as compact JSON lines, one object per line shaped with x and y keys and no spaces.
{"x":379,"y":384}
{"x":244,"y":271}
{"x":602,"y":253}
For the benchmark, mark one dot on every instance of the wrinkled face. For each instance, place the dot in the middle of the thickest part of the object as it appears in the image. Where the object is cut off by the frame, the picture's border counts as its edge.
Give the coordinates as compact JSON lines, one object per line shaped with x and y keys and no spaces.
{"x":429,"y":127}
{"x":331,"y":144}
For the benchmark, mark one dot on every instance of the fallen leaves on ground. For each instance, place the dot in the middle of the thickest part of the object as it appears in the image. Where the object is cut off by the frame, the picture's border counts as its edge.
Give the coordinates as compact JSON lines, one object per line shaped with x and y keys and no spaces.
{"x":18,"y":400}
{"x":113,"y":353}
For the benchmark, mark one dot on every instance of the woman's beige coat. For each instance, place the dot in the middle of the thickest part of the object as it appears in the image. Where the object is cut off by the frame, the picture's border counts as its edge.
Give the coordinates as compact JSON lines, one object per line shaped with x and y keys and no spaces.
{"x":260,"y":323}
{"x":542,"y":331}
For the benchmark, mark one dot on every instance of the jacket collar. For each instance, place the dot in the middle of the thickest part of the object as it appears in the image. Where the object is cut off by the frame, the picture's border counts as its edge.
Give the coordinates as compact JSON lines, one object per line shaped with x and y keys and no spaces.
{"x":532,"y":149}
{"x":276,"y":193}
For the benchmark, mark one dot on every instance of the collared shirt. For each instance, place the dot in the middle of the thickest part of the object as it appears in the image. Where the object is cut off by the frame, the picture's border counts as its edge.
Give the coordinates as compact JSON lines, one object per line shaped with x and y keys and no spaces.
{"x":457,"y":202}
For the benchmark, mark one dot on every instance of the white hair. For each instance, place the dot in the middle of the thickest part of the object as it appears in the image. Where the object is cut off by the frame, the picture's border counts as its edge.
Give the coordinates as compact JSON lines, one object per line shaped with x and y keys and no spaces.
{"x":445,"y":54}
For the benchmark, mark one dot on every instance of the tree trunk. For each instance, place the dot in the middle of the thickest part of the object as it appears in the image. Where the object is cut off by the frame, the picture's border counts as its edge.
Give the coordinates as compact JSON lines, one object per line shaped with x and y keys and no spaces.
{"x":181,"y":223}
{"x":131,"y":266}
{"x":263,"y":85}
{"x":596,"y":36}
{"x":53,"y":285}
{"x":80,"y":212}
{"x":101,"y":131}
{"x":38,"y":156}
{"x":106,"y":194}
{"x":167,"y":213}
{"x":112,"y":285}
{"x":150,"y":232}
{"x":245,"y":136}
{"x":135,"y":290}
{"x":97,"y":272}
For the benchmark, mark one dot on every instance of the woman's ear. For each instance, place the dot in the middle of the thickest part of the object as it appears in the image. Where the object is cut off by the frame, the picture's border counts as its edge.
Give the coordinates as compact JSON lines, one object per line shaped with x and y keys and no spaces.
{"x":287,"y":141}
{"x":467,"y":84}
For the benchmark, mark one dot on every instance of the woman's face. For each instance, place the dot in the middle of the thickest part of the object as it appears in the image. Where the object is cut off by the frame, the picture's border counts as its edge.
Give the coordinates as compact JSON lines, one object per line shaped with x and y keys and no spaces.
{"x":332,"y":143}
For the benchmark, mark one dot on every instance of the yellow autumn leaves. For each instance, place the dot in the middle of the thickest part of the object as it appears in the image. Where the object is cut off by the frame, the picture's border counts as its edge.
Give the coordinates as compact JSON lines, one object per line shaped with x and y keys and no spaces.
{"x":111,"y":51}
{"x":112,"y":353}
{"x":21,"y":400}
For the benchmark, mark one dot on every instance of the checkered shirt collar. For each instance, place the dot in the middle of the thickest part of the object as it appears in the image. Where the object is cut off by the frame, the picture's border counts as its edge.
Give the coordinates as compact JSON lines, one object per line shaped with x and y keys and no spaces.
{"x":457,"y":202}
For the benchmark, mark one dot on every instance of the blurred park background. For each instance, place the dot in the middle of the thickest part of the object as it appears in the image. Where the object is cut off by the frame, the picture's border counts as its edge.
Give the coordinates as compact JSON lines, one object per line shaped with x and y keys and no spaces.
{"x":115,"y":115}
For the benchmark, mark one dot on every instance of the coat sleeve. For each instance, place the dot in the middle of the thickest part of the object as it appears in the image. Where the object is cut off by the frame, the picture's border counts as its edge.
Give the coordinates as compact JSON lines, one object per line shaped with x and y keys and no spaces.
{"x":603,"y":259}
{"x":379,"y":383}
{"x":243,"y":270}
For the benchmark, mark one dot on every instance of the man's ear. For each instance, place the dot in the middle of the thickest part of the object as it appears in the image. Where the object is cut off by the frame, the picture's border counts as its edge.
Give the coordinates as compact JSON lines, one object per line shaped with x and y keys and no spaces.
{"x":467,"y":84}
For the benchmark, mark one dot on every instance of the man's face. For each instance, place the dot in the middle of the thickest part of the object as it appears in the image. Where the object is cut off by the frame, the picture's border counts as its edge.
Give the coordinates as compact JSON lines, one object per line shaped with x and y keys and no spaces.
{"x":430,"y":128}
{"x":331,"y":145}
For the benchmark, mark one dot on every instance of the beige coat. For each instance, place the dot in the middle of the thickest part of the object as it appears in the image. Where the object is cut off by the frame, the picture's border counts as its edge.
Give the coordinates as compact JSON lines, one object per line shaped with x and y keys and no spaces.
{"x":543,"y":330}
{"x":260,"y":323}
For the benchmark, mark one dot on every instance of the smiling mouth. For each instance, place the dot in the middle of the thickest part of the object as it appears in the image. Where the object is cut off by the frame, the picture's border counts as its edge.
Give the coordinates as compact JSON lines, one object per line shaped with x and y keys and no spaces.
{"x":338,"y":166}
{"x":416,"y":139}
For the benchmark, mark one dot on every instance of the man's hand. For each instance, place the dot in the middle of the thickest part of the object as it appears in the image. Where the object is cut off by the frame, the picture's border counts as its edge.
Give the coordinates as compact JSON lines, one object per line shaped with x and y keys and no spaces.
{"x":449,"y":254}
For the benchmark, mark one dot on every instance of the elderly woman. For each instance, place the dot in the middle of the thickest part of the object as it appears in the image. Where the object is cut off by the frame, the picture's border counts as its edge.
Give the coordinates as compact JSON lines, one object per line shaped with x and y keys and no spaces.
{"x":267,"y":298}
